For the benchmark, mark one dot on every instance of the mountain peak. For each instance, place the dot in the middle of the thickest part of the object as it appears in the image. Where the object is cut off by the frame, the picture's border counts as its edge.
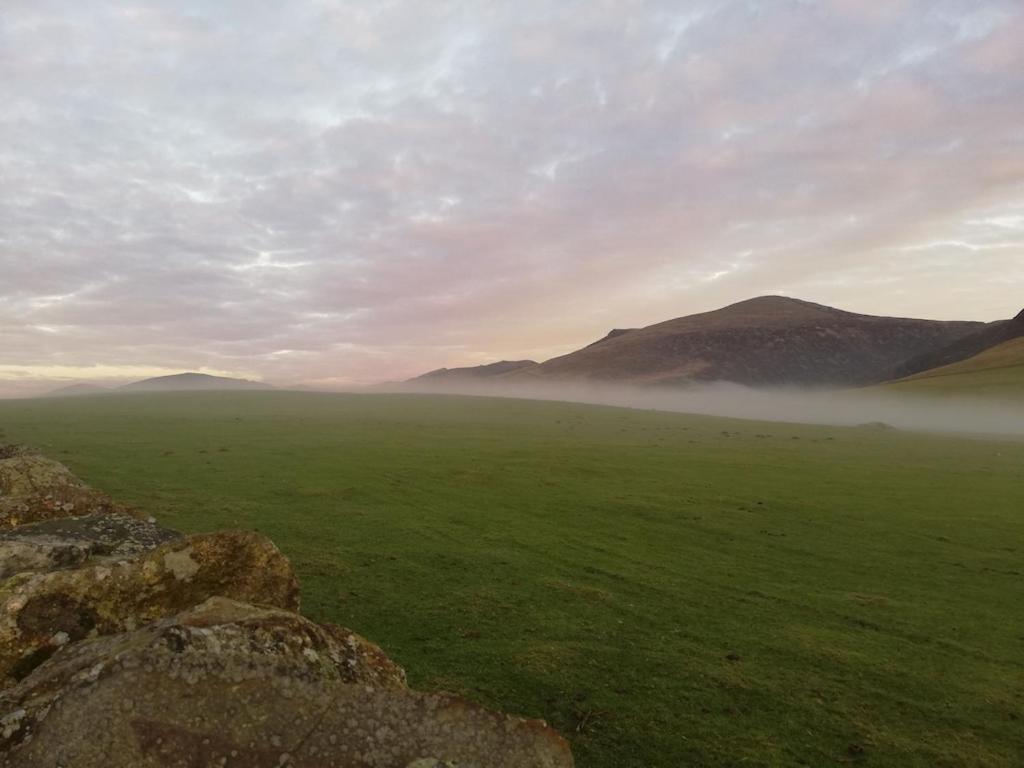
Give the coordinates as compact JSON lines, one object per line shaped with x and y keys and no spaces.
{"x":772,"y":299}
{"x":778,"y":304}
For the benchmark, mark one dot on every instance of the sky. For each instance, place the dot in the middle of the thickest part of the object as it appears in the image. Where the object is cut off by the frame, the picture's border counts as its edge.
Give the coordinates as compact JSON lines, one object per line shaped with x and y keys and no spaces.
{"x":335,"y":193}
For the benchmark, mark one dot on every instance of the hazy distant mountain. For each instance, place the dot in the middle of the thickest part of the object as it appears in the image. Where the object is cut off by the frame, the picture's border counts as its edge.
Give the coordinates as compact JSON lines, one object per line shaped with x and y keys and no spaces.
{"x":767,"y":341}
{"x":192,"y":382}
{"x":76,"y":390}
{"x":987,"y":337}
{"x":474,"y":373}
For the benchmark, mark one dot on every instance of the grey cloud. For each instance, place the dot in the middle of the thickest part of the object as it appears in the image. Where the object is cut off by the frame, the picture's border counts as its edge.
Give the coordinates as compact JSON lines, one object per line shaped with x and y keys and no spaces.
{"x":350,"y":191}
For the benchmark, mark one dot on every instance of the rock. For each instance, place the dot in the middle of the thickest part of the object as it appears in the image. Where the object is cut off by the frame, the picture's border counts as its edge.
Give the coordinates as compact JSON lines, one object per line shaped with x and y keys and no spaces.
{"x":9,"y":451}
{"x":231,"y":685}
{"x":25,"y":474}
{"x":124,"y":645}
{"x":70,"y":541}
{"x":34,"y":488}
{"x":40,"y":612}
{"x":257,"y":636}
{"x":241,"y":641}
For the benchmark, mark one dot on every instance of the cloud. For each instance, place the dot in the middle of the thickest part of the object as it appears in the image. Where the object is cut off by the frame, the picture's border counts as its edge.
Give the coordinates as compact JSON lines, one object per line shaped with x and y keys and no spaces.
{"x":351,"y":192}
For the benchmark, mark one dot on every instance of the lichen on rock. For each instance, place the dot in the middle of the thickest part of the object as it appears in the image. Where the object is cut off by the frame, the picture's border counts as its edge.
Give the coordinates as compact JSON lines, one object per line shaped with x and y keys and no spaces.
{"x":10,"y":450}
{"x":171,"y":697}
{"x":114,"y":594}
{"x":34,"y":488}
{"x":214,"y":647}
{"x":126,"y":645}
{"x":68,"y":542}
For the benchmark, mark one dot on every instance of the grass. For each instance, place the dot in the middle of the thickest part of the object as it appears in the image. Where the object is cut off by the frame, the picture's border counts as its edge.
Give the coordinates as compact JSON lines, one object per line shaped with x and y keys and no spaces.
{"x":996,"y":372}
{"x":665,"y":589}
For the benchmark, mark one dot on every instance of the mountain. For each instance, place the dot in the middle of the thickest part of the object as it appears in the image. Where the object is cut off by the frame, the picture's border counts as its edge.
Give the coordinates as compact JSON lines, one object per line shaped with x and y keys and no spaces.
{"x":767,"y":341}
{"x":475,"y":373}
{"x":192,"y":382}
{"x":613,"y":333}
{"x":998,"y":371}
{"x":76,"y":390}
{"x":987,"y":337}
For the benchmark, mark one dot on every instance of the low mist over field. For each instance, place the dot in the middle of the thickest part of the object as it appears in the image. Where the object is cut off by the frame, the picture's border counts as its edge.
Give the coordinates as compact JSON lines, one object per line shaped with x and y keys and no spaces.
{"x":622,"y":384}
{"x":873,"y":408}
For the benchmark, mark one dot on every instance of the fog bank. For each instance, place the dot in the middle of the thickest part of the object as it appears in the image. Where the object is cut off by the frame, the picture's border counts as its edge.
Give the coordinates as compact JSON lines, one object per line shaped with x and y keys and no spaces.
{"x":914,"y":412}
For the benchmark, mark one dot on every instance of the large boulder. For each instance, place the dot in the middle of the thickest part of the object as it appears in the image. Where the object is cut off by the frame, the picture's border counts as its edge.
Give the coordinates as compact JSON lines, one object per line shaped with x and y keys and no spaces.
{"x":40,"y":612}
{"x":236,"y":686}
{"x":34,"y":488}
{"x":124,"y":645}
{"x":70,"y":541}
{"x":25,"y":474}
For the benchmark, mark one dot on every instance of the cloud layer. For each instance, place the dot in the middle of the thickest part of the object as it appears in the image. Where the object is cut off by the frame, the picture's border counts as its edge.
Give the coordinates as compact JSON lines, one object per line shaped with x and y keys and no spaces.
{"x":345,"y":192}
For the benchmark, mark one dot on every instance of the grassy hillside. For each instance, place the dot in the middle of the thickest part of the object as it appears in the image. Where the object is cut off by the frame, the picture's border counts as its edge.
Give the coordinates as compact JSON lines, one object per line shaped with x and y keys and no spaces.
{"x":667,"y":590}
{"x":997,"y":371}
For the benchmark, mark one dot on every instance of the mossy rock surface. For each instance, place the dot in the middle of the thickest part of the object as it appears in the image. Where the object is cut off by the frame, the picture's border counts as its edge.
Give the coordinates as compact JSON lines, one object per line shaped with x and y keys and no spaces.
{"x":43,"y":611}
{"x":228,"y":684}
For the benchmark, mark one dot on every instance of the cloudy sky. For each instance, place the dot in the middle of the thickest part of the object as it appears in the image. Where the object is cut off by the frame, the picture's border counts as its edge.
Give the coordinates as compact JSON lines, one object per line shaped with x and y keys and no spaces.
{"x":342,"y":192}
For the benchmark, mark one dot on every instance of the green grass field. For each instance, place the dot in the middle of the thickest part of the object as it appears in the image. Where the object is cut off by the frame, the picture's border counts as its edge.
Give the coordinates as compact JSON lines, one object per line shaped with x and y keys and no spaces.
{"x":995,"y":373}
{"x":667,"y":590}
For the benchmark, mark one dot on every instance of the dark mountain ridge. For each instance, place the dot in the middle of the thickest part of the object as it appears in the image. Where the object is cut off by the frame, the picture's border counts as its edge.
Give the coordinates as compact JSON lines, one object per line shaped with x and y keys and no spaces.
{"x":988,"y":336}
{"x":766,"y":341}
{"x":613,"y":333}
{"x":489,"y":371}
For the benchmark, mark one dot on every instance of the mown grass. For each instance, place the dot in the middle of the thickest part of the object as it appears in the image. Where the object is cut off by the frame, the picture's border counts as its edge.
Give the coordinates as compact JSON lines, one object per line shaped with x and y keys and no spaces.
{"x":667,"y":590}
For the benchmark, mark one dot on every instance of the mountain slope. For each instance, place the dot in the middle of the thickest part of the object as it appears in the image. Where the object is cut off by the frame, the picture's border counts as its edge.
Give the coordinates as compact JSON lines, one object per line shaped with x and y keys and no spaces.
{"x":998,"y":371}
{"x":767,"y":341}
{"x":988,"y":336}
{"x":473,"y":373}
{"x":192,"y":382}
{"x":76,"y":390}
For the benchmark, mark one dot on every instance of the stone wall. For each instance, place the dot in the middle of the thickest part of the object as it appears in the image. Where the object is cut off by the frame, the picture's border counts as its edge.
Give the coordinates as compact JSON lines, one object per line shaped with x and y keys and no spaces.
{"x":127,"y":645}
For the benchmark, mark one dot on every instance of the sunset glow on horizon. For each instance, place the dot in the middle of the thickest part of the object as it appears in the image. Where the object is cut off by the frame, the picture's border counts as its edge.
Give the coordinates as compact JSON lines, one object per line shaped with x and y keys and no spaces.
{"x":329,"y":193}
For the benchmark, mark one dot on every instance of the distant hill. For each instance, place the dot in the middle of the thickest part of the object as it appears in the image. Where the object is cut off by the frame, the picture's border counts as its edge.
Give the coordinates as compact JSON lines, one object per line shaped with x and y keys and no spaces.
{"x":76,"y":390}
{"x":998,"y":371}
{"x":474,"y":373}
{"x":192,"y":382}
{"x":987,"y":337}
{"x":767,"y":341}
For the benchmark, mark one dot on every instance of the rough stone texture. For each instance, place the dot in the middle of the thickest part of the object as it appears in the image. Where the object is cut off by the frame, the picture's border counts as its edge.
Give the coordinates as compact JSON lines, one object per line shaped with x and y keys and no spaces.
{"x":70,"y":541}
{"x":34,"y":488}
{"x":125,"y":645}
{"x":228,"y":685}
{"x":40,"y":612}
{"x":10,"y":450}
{"x":219,"y":640}
{"x":249,"y":640}
{"x":24,"y":474}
